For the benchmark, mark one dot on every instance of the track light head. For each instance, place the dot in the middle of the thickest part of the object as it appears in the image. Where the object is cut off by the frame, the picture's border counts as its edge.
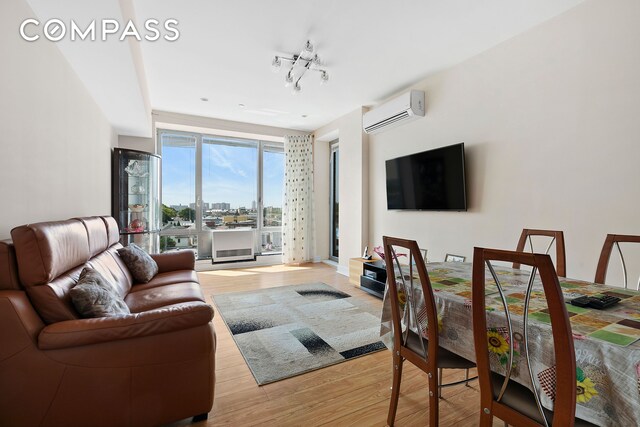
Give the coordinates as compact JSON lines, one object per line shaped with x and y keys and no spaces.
{"x":308,"y":47}
{"x":288,"y":79}
{"x":276,"y":64}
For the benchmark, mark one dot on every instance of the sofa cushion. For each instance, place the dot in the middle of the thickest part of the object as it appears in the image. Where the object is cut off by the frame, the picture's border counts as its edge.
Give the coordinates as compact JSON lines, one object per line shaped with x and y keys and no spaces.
{"x":91,"y":331}
{"x":139,"y":263}
{"x":111,"y":266}
{"x":113,"y":233}
{"x":161,"y":296}
{"x":47,"y":250}
{"x":97,"y":234}
{"x":168,"y":278}
{"x":52,"y":301}
{"x":94,"y":296}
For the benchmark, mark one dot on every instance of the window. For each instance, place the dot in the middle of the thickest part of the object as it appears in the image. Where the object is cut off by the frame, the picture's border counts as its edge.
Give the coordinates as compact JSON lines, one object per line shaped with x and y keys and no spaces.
{"x":213,"y":183}
{"x":272,"y":190}
{"x":178,"y":192}
{"x":229,"y":183}
{"x":334,"y":205}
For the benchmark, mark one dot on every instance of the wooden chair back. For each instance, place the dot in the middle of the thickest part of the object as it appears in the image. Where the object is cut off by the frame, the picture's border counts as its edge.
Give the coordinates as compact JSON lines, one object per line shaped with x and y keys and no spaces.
{"x":605,"y":255}
{"x":556,"y":236}
{"x":565,"y":401}
{"x":400,"y":279}
{"x":405,"y":277}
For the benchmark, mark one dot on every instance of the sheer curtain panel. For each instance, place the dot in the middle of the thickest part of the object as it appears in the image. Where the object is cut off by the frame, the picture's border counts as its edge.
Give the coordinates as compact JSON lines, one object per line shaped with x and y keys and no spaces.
{"x":297,"y":215}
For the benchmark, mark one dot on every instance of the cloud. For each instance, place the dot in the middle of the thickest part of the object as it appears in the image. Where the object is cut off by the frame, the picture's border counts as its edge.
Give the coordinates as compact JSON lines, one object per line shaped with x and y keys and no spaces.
{"x":222,"y":159}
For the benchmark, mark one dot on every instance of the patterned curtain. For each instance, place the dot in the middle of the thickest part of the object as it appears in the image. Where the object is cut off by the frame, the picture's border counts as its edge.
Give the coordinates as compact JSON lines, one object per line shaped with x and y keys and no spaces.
{"x":297,"y":215}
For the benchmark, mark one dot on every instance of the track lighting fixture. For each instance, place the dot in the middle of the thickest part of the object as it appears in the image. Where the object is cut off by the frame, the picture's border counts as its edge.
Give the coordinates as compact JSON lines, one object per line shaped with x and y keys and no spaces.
{"x":299,"y":64}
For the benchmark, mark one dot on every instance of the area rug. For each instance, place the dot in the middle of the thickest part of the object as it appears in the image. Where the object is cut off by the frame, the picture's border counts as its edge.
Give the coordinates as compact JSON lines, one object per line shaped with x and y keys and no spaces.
{"x":290,"y":330}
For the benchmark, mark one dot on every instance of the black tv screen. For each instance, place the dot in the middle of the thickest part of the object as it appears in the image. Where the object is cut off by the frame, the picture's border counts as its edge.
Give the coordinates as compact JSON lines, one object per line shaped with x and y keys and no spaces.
{"x":430,"y":180}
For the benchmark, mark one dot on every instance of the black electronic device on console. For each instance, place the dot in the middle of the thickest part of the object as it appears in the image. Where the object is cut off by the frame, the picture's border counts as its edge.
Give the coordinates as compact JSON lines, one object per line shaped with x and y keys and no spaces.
{"x":373,"y":278}
{"x":597,"y":302}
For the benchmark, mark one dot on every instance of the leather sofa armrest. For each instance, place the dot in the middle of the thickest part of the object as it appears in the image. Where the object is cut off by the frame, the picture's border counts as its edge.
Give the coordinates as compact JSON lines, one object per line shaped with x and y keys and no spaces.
{"x":20,"y":324}
{"x":8,"y":267}
{"x":172,"y":261}
{"x":73,"y":333}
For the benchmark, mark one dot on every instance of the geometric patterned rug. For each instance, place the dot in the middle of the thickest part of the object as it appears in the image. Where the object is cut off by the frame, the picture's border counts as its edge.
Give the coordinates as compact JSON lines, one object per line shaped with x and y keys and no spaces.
{"x":290,"y":330}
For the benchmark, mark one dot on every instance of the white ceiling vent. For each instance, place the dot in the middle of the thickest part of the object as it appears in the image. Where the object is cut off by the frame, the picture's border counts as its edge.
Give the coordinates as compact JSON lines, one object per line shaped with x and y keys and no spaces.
{"x":403,"y":109}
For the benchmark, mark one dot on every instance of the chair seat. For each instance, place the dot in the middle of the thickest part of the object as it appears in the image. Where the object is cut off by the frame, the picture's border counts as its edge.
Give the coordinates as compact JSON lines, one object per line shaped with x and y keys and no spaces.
{"x":446,"y":359}
{"x":521,"y":399}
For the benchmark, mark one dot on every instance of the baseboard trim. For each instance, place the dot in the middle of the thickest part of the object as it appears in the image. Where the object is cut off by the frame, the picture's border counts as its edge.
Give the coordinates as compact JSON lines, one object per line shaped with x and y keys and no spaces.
{"x":331,"y":263}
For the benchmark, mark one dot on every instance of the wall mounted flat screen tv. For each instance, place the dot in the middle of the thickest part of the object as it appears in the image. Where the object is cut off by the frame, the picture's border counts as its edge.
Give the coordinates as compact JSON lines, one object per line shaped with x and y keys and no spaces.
{"x":432,"y":180}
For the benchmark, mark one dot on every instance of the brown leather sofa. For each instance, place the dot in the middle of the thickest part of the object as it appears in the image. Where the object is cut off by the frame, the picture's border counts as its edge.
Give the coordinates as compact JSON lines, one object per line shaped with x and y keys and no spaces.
{"x":151,"y":367}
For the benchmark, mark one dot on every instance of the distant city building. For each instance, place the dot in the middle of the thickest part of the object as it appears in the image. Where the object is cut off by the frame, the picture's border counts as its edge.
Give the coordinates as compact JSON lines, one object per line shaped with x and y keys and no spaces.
{"x":221,"y":206}
{"x":185,"y":242}
{"x":178,"y":222}
{"x":253,"y":205}
{"x":234,"y":218}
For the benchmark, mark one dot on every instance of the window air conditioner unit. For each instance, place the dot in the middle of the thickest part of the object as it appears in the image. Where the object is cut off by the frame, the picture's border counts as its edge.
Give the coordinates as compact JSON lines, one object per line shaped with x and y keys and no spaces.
{"x":232,"y":245}
{"x":403,"y":109}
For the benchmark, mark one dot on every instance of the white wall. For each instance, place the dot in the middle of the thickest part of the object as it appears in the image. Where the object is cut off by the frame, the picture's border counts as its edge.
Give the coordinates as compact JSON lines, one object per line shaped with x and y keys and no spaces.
{"x":551,"y":123}
{"x":55,"y":159}
{"x":354,"y":186}
{"x":321,"y":191}
{"x":137,"y":143}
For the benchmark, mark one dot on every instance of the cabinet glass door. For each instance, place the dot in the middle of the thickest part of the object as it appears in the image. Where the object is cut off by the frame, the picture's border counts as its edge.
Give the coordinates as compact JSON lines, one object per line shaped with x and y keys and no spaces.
{"x":136,"y":197}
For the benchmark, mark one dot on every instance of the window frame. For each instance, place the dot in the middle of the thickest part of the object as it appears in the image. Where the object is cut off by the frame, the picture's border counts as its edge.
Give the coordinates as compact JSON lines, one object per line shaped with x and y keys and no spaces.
{"x":200,"y":138}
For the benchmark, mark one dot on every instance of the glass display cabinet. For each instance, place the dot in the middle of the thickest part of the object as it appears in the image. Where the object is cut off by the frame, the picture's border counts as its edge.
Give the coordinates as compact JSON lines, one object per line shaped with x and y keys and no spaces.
{"x":136,"y":198}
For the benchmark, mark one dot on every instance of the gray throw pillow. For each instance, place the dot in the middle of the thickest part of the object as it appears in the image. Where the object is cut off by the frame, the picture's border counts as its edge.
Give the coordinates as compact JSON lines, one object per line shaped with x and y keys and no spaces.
{"x":94,"y":296}
{"x":139,"y":263}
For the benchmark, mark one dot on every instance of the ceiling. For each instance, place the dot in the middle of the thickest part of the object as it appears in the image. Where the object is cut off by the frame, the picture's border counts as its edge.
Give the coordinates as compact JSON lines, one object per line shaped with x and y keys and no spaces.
{"x":371,"y":49}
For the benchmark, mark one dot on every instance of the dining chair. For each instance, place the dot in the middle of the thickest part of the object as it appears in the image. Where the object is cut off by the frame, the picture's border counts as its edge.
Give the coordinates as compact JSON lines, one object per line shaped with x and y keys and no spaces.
{"x":424,"y":353}
{"x":454,"y":258}
{"x":556,"y":236}
{"x":423,"y":252}
{"x":605,"y":255}
{"x":500,"y":395}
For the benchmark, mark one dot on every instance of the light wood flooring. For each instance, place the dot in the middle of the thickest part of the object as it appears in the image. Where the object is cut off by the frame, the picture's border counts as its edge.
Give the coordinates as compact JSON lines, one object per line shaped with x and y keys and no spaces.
{"x":353,"y":393}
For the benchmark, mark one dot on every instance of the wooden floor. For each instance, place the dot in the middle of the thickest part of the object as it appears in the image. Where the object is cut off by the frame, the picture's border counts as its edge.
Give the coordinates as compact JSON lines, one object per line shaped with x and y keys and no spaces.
{"x":353,"y":393}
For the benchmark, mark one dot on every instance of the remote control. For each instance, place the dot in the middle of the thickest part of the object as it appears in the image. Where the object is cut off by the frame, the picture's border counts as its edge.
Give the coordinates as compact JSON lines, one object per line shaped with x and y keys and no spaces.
{"x":603,"y":301}
{"x":581,"y":301}
{"x":599,"y":302}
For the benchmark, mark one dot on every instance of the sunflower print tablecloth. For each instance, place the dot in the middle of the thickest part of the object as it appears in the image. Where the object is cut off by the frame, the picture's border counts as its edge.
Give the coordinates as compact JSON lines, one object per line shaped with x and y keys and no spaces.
{"x":606,"y":341}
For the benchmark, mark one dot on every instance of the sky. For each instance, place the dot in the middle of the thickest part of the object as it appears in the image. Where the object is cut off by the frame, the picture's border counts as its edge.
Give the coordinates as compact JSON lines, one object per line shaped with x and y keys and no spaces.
{"x":229,"y":174}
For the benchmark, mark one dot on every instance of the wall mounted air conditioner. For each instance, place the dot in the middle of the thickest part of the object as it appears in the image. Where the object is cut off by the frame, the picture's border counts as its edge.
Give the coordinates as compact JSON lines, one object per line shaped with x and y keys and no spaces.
{"x":232,"y":245}
{"x":403,"y":109}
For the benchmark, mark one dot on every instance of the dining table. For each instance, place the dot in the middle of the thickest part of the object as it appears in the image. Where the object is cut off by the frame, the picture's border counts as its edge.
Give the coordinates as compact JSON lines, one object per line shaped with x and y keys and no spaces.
{"x":606,"y":341}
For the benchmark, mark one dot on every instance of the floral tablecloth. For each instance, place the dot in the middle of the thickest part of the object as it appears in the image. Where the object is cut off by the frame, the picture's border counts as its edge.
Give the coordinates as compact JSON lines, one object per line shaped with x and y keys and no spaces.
{"x":606,"y":341}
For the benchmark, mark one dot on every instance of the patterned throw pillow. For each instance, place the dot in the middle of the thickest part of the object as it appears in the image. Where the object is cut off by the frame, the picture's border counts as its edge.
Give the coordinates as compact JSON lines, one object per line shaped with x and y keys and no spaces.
{"x":139,"y":263}
{"x":94,"y":296}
